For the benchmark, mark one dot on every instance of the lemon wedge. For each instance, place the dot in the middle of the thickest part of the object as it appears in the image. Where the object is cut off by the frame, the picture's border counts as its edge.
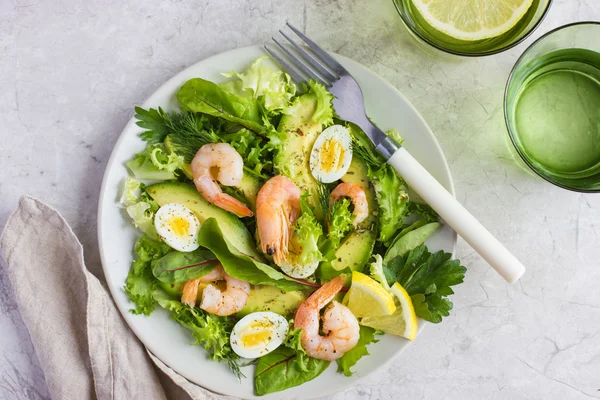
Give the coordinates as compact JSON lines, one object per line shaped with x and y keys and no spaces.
{"x":472,"y":20}
{"x":367,"y":298}
{"x":403,"y":322}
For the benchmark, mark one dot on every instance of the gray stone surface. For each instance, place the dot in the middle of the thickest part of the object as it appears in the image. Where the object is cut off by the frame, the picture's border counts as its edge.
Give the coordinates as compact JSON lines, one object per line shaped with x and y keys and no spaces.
{"x":71,"y":71}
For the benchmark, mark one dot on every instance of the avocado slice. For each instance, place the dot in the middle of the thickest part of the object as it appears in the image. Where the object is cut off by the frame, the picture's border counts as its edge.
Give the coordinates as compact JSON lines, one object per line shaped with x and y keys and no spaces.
{"x":270,"y":298}
{"x":355,"y":250}
{"x":187,"y":195}
{"x":293,"y":160}
{"x":249,"y":186}
{"x":172,"y":289}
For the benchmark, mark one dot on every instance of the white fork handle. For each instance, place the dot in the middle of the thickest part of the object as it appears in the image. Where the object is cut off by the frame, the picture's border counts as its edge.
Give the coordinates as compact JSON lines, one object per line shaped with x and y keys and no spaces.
{"x":456,"y":215}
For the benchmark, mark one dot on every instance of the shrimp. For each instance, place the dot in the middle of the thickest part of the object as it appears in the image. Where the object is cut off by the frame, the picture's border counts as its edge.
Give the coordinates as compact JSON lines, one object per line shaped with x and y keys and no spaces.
{"x":277,"y":208}
{"x":215,"y":301}
{"x":231,"y":170}
{"x":340,"y":326}
{"x":358,"y":197}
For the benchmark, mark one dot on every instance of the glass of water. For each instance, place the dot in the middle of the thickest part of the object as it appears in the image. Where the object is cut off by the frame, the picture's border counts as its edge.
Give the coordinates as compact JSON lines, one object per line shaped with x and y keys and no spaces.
{"x":552,"y":106}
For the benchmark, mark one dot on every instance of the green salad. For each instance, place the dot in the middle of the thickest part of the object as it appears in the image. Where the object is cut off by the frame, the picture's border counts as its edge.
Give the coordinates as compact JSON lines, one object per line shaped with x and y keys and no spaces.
{"x":275,"y":233}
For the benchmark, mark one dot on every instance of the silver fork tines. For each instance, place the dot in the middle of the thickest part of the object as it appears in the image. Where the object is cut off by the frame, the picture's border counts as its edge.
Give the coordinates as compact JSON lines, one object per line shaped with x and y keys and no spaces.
{"x":302,"y":65}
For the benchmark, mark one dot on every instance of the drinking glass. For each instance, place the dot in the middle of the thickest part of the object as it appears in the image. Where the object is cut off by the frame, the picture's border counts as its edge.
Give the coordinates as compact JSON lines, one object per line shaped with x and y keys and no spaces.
{"x":432,"y":39}
{"x":552,"y":106}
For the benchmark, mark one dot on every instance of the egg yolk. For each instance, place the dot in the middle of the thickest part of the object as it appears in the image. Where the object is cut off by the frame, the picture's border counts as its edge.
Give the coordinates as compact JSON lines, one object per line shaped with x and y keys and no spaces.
{"x":254,"y":337}
{"x":331,"y":156}
{"x":180,"y":226}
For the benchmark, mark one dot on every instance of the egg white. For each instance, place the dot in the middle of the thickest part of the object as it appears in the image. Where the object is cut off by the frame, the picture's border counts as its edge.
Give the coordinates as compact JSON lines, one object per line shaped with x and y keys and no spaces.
{"x":273,"y":326}
{"x":340,"y":136}
{"x":185,"y":237}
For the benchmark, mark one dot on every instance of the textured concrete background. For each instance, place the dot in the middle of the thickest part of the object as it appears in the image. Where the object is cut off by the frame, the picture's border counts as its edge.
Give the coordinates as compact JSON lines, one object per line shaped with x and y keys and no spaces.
{"x":71,"y":72}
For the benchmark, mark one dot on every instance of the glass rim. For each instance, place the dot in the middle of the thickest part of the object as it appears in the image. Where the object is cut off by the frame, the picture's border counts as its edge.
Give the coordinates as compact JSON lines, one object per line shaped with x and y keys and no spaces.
{"x":472,"y":53}
{"x":510,"y":132}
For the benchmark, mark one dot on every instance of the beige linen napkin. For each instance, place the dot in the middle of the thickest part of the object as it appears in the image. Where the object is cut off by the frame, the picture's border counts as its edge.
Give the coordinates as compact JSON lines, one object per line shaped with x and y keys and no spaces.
{"x":83,"y":344}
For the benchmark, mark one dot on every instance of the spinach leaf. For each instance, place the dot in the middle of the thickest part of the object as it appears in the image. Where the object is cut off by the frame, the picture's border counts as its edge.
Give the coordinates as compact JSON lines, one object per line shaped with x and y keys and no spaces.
{"x":348,"y":360}
{"x":206,"y":97}
{"x":179,"y":267}
{"x":286,"y":367}
{"x":239,"y":265}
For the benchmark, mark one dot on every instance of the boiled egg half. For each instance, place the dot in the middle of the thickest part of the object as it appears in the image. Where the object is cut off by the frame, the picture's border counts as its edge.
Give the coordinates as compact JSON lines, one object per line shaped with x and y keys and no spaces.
{"x":178,"y":226}
{"x":258,"y":333}
{"x":331,"y":154}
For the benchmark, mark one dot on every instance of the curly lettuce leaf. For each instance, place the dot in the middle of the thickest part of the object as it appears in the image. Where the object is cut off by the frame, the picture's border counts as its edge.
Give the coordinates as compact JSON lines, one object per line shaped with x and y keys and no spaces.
{"x":339,"y":221}
{"x":350,"y":358}
{"x":272,"y":86}
{"x":324,"y":111}
{"x":140,"y":207}
{"x":392,"y":200}
{"x":378,"y":273}
{"x":210,"y":331}
{"x":154,"y":163}
{"x":140,"y":283}
{"x":307,"y":232}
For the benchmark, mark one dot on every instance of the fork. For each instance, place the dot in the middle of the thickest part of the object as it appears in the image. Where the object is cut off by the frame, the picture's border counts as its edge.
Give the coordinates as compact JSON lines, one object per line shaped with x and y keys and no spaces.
{"x":316,"y":64}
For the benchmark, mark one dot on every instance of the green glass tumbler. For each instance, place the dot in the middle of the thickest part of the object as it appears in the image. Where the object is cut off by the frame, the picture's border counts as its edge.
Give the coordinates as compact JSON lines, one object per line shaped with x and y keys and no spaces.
{"x":552,"y":107}
{"x":434,"y":41}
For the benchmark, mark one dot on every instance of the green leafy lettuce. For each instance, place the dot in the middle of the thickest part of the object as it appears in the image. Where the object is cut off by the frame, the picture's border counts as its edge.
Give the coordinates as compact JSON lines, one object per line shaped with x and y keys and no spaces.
{"x":307,"y":232}
{"x":324,"y":110}
{"x":427,"y":278}
{"x":339,"y":221}
{"x":350,"y":358}
{"x":271,"y":86}
{"x":210,"y":331}
{"x":154,"y":163}
{"x":286,"y":367}
{"x":140,"y":283}
{"x":140,"y":207}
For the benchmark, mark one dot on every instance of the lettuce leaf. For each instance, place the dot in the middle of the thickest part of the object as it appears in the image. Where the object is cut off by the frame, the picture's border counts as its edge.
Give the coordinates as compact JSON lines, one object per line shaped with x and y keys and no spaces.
{"x":140,"y":207}
{"x":392,"y":201}
{"x":271,"y":86}
{"x":324,"y":110}
{"x":307,"y":232}
{"x":339,"y":221}
{"x":140,"y":283}
{"x":239,"y":265}
{"x":348,"y":360}
{"x":146,"y":165}
{"x":210,"y":331}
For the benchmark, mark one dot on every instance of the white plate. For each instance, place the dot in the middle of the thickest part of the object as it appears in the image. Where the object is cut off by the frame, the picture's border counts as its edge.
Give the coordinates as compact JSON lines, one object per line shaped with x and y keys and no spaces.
{"x":168,"y":340}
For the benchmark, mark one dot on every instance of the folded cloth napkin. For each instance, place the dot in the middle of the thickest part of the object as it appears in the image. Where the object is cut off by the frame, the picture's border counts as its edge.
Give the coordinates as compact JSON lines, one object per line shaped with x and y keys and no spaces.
{"x":83,"y":344}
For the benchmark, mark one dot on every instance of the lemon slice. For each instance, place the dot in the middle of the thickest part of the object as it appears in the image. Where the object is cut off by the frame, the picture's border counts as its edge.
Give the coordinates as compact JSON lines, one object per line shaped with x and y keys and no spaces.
{"x":472,"y":19}
{"x":367,"y":298}
{"x":403,"y":322}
